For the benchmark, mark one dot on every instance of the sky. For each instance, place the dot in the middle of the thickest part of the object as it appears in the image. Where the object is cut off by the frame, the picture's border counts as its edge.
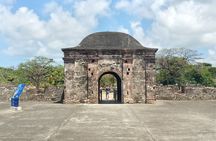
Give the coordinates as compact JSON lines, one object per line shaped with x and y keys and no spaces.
{"x":31,"y":28}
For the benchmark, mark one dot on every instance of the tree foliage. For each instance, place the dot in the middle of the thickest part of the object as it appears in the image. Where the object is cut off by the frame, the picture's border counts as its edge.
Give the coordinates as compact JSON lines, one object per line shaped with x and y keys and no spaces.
{"x":108,"y":80}
{"x":40,"y":72}
{"x":36,"y":70}
{"x":188,"y":54}
{"x":56,"y":76}
{"x":7,"y":75}
{"x":174,"y":66}
{"x":171,"y":70}
{"x":200,"y":74}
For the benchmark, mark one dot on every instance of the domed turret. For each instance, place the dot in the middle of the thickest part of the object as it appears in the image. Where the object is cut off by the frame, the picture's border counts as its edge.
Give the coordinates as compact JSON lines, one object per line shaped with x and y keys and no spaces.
{"x":109,"y":40}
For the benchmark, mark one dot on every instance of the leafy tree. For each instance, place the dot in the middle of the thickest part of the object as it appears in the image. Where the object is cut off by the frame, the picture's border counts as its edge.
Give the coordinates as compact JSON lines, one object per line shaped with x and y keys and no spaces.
{"x":171,"y":71}
{"x":212,"y":70}
{"x":206,"y":75}
{"x":7,"y":75}
{"x":175,"y":67}
{"x":108,"y":80}
{"x":40,"y":71}
{"x":171,"y":64}
{"x":188,"y":54}
{"x":36,"y":70}
{"x":194,"y":74}
{"x":21,"y":76}
{"x":56,"y":76}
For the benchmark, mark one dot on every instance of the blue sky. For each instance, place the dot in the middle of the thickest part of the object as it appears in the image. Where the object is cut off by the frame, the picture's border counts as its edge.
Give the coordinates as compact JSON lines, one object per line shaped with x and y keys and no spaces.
{"x":31,"y":28}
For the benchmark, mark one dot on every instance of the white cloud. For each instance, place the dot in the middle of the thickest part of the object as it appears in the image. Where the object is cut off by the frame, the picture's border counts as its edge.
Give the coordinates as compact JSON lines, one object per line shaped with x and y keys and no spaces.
{"x":212,"y":52}
{"x":175,"y":23}
{"x":123,"y":29}
{"x":122,"y":4}
{"x":209,"y":38}
{"x":87,"y":11}
{"x":137,"y":31}
{"x":7,"y":3}
{"x":188,"y":24}
{"x":21,"y":29}
{"x":28,"y":35}
{"x":211,"y":58}
{"x":140,"y":8}
{"x":137,"y":7}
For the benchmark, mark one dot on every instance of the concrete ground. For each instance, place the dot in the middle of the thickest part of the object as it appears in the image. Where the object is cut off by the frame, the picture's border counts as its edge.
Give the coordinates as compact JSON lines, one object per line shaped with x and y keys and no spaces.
{"x":164,"y":121}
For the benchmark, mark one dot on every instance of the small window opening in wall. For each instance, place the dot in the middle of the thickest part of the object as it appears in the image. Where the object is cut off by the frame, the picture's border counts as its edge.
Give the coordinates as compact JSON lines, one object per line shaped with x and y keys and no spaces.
{"x":92,"y":73}
{"x":126,"y":61}
{"x":127,"y":73}
{"x":93,"y":60}
{"x":89,"y":69}
{"x":128,"y":69}
{"x":127,"y":92}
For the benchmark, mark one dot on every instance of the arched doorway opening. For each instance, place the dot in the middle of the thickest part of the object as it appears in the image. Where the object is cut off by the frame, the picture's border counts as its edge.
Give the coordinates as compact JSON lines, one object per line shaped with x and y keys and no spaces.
{"x":109,"y":88}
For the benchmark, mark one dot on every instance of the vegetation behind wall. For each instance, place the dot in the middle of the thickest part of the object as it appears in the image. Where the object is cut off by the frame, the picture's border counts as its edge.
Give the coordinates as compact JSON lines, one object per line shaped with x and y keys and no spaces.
{"x":40,"y":72}
{"x":176,"y":66}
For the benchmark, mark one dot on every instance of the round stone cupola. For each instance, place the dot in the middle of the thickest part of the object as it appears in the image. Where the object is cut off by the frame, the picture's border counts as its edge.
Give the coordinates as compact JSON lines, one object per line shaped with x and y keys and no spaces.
{"x":109,"y":40}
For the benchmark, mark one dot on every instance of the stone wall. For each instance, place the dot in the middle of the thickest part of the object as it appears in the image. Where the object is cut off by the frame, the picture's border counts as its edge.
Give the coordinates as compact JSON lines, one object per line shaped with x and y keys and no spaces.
{"x":190,"y":93}
{"x":6,"y":91}
{"x":29,"y":93}
{"x":84,"y":68}
{"x":162,"y":93}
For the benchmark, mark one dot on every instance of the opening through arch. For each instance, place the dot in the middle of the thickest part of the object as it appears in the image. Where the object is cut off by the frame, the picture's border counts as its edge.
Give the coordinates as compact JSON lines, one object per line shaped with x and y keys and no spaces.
{"x":109,"y":88}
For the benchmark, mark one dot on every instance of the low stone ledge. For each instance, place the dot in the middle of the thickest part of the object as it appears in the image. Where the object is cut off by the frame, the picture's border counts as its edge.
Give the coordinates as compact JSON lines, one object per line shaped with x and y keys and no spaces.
{"x":190,"y":93}
{"x":30,"y":93}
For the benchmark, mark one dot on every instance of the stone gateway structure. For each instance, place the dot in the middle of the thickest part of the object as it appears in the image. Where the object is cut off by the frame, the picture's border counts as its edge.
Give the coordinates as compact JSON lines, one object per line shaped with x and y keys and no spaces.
{"x":113,"y":53}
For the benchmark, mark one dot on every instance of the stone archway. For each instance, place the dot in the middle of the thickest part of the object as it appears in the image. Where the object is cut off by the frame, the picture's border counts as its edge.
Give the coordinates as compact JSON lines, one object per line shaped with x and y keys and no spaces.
{"x":109,"y":52}
{"x":117,"y":93}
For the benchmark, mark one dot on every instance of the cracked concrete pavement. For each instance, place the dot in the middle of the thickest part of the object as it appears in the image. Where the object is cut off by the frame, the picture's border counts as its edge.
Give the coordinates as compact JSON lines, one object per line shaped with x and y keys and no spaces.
{"x":163,"y":121}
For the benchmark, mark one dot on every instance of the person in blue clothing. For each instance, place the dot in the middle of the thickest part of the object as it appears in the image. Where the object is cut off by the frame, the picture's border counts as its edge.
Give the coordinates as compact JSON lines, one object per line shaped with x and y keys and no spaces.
{"x":107,"y":92}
